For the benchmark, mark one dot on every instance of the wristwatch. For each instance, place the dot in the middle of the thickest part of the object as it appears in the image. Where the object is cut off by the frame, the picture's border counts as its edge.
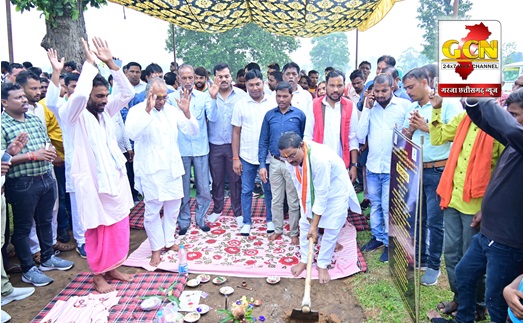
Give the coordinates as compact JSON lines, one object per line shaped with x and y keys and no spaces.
{"x":354,"y":165}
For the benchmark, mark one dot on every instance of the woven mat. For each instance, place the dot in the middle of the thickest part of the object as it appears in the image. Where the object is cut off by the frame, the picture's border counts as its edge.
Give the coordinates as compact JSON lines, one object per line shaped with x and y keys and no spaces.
{"x":136,"y":216}
{"x":223,"y":251}
{"x":359,"y":221}
{"x":128,"y":309}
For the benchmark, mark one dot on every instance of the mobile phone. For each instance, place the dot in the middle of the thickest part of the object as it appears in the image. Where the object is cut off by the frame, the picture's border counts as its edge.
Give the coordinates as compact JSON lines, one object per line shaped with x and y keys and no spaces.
{"x":46,"y":145}
{"x":436,"y":83}
{"x":6,"y":157}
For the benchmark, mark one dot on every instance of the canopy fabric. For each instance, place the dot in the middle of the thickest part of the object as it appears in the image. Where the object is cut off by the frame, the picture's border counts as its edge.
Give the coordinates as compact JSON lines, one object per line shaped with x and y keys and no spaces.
{"x":297,"y":18}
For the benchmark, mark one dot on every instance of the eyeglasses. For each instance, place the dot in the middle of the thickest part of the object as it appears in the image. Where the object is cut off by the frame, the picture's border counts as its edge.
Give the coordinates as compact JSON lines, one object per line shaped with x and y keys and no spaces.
{"x":290,"y":157}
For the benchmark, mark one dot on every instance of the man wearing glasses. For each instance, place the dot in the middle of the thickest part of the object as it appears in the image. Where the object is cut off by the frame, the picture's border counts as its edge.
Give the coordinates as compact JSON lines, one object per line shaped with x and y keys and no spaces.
{"x":324,"y":188}
{"x":154,"y":125}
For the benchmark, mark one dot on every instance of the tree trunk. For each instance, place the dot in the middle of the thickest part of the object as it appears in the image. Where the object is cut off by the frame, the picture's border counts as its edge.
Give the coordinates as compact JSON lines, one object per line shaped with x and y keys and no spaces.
{"x":66,"y":36}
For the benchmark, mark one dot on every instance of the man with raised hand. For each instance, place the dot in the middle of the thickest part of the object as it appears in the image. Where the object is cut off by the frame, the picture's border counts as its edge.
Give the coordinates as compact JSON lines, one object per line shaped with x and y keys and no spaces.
{"x":154,"y":126}
{"x":98,"y":167}
{"x":224,"y":97}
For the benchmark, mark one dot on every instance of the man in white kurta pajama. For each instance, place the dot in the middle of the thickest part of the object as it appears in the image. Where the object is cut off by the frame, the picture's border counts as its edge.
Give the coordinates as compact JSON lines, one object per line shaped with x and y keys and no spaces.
{"x":98,"y":170}
{"x":325,"y":192}
{"x":158,"y":166}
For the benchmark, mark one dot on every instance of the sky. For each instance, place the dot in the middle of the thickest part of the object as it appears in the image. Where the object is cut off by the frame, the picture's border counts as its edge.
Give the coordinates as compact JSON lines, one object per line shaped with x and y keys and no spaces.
{"x":134,"y":36}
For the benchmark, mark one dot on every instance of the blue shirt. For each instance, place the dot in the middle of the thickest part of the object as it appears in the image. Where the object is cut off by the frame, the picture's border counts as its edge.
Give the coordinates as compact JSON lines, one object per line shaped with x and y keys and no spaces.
{"x":401,"y":93}
{"x":449,"y":109}
{"x":220,"y":131}
{"x":274,"y":125}
{"x":202,"y":109}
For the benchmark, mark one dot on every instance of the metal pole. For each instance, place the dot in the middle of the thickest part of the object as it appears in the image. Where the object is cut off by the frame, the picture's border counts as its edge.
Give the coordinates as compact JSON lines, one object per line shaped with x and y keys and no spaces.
{"x":174,"y":43}
{"x":456,"y":7}
{"x":9,"y":30}
{"x":356,"y":63}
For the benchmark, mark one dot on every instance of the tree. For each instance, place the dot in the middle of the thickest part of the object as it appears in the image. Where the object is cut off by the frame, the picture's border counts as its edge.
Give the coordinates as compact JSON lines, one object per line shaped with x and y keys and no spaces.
{"x":330,"y":50}
{"x":510,"y":53}
{"x":411,"y":58}
{"x":236,"y":47}
{"x":429,"y":12}
{"x":65,"y":24}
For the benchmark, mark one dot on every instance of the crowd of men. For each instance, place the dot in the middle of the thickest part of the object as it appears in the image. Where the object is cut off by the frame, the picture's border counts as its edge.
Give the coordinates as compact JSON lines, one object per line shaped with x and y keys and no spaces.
{"x":80,"y":150}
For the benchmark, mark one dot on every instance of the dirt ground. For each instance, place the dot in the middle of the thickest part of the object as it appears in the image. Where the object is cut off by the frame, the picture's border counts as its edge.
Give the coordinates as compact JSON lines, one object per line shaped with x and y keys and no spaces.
{"x":334,"y":301}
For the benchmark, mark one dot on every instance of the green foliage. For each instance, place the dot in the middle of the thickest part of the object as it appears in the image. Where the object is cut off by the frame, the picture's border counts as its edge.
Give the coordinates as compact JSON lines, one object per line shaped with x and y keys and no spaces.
{"x":411,"y":58}
{"x":236,"y":47}
{"x":330,"y":50}
{"x":429,"y":12}
{"x":510,"y":53}
{"x":52,"y":9}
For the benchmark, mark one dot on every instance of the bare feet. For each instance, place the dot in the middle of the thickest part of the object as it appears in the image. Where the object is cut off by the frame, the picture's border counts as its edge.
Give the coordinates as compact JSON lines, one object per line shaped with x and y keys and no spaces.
{"x":118,"y":275}
{"x":323,"y":275}
{"x":174,"y":247}
{"x":274,"y":236}
{"x":295,"y":241}
{"x":101,"y":285}
{"x":338,"y":247}
{"x":155,"y":259}
{"x":296,"y":270}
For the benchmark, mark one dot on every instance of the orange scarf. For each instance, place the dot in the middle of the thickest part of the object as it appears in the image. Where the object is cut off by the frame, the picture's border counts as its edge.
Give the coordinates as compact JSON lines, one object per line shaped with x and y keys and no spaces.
{"x":478,"y":169}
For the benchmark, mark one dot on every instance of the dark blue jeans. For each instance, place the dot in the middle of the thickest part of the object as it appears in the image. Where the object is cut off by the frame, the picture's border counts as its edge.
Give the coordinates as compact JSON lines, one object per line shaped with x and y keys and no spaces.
{"x":64,"y":208}
{"x":32,"y":199}
{"x":501,"y":263}
{"x":432,"y":219}
{"x":249,"y":172}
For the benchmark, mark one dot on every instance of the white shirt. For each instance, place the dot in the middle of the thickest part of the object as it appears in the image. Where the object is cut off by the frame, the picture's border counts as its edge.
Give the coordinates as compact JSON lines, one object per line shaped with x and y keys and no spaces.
{"x":332,"y":187}
{"x":332,"y":128}
{"x":38,"y":111}
{"x":121,"y":135}
{"x":248,"y":114}
{"x":157,"y":161}
{"x":301,"y":98}
{"x":378,"y":123}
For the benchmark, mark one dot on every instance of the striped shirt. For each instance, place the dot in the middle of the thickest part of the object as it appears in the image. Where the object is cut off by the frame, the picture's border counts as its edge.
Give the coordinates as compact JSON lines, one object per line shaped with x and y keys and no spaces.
{"x":37,"y":139}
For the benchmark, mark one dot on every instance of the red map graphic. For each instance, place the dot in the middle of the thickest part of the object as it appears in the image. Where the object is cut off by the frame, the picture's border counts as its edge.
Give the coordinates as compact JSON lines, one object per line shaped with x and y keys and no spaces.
{"x":476,"y":32}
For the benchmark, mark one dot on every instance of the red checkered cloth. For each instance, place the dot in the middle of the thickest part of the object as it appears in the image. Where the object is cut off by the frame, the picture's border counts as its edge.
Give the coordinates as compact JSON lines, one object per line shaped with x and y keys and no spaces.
{"x":359,"y":221}
{"x":361,"y":262}
{"x":131,"y":293}
{"x":136,"y":216}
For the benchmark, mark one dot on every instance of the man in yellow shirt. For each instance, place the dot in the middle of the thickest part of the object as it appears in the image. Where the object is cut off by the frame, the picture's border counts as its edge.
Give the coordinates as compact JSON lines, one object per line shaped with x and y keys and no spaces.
{"x":473,"y":156}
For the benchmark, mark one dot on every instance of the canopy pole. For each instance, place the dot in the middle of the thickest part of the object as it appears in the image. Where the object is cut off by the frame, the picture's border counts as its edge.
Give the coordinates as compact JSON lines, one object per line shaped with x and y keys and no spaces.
{"x":356,"y":62}
{"x":456,"y":7}
{"x":9,"y":30}
{"x":174,"y":43}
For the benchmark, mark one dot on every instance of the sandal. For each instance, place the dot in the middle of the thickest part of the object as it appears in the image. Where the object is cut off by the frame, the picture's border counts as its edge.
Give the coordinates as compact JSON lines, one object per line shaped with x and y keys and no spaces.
{"x":14,"y":269}
{"x":63,"y":246}
{"x":447,"y":307}
{"x":36,"y":258}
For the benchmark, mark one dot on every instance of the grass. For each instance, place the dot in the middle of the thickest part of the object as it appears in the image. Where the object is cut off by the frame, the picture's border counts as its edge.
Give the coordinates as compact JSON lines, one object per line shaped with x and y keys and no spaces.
{"x":378,"y":296}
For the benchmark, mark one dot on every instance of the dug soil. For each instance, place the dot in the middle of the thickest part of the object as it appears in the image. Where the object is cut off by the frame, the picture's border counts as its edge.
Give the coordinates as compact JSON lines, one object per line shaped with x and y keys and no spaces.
{"x":334,"y":301}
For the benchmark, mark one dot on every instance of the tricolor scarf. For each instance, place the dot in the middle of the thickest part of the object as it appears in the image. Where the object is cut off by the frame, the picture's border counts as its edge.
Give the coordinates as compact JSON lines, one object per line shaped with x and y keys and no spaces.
{"x":305,"y":179}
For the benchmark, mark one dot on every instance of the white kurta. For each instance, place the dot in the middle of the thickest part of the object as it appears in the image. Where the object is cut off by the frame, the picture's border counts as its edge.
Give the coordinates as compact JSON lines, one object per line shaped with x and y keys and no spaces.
{"x":332,"y":128}
{"x":98,"y":172}
{"x":333,"y":190}
{"x":158,"y":166}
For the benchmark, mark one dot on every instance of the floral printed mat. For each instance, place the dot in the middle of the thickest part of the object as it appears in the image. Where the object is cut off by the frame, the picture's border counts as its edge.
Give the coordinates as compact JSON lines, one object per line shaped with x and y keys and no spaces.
{"x":223,"y":251}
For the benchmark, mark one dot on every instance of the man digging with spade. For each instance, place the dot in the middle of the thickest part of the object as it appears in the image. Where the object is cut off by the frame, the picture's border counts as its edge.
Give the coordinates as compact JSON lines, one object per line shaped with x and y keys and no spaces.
{"x":325,"y":191}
